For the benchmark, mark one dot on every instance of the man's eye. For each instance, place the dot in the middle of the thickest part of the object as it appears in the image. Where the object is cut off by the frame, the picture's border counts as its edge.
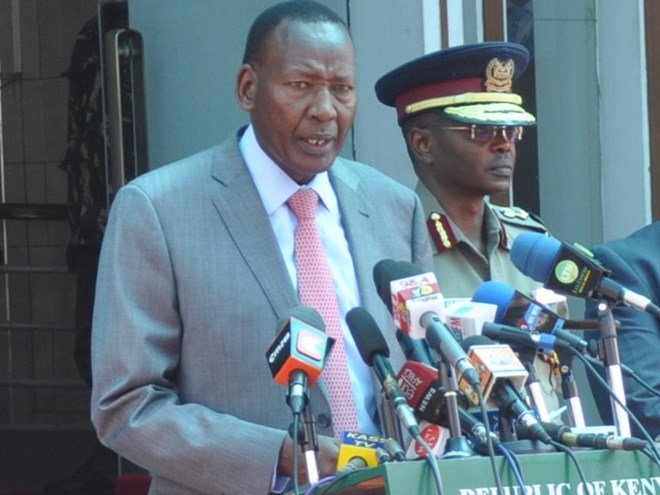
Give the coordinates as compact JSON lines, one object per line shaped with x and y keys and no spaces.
{"x":343,"y":89}
{"x":299,"y":84}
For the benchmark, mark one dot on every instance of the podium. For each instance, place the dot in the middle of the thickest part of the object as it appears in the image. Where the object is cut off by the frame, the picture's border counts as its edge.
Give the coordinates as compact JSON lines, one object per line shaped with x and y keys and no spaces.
{"x":607,"y":473}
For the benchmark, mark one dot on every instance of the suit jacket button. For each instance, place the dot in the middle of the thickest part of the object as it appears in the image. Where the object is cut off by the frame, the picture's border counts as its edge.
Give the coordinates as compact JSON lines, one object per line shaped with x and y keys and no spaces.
{"x":323,"y":420}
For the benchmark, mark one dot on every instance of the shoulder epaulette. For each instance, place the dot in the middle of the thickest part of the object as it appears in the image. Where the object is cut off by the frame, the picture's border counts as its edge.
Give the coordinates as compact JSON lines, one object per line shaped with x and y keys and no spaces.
{"x":440,"y":230}
{"x":514,"y":215}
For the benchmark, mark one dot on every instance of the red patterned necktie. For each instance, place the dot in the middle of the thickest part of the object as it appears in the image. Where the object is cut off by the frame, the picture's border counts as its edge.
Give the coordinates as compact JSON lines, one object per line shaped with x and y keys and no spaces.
{"x":316,"y":289}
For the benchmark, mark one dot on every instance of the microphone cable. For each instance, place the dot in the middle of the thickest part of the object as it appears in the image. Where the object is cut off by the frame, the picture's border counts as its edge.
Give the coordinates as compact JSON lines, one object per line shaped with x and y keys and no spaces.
{"x":628,"y":372}
{"x":433,"y":463}
{"x":482,"y":439}
{"x":514,"y":465}
{"x":489,"y":442}
{"x":569,"y":452}
{"x":328,"y":480}
{"x":655,"y":456}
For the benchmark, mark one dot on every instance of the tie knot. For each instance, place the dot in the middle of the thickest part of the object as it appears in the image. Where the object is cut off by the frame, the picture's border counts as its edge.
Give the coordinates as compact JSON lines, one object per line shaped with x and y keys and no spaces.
{"x":303,"y":203}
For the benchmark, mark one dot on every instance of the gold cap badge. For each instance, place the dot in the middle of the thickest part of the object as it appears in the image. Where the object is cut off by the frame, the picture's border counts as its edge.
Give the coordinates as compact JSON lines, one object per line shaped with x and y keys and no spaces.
{"x":499,"y":75}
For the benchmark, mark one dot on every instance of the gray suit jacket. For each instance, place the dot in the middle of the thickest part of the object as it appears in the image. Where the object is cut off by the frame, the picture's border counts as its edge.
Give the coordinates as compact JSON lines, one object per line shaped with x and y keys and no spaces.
{"x":191,"y":285}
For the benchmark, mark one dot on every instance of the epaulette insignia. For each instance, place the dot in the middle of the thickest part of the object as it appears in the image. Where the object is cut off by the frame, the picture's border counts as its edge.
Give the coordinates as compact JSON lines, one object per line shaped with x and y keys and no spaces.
{"x":514,"y":215}
{"x":440,"y":231}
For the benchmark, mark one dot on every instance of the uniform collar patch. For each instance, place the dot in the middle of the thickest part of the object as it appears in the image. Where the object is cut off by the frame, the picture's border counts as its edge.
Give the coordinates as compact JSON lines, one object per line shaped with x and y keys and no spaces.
{"x":441,"y":232}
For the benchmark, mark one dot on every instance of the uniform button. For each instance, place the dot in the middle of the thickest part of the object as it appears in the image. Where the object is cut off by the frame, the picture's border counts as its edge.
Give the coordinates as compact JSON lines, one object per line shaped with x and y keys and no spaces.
{"x":323,"y":420}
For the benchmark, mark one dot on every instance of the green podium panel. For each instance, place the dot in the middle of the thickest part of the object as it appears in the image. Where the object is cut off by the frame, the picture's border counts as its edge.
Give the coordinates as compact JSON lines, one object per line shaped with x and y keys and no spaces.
{"x":607,"y":473}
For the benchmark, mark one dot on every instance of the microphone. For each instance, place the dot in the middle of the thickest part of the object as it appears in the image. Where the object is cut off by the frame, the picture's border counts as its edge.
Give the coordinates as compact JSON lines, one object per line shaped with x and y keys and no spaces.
{"x":374,"y":352}
{"x":505,"y":333}
{"x":466,"y":318}
{"x":419,"y":309}
{"x":444,"y":342}
{"x":516,"y":335}
{"x":518,"y":310}
{"x":423,"y":390}
{"x":572,"y":270}
{"x":436,"y":438}
{"x":384,"y":272}
{"x":486,"y":356}
{"x":426,"y":396}
{"x":298,"y":353}
{"x":515,"y":308}
{"x":413,"y":293}
{"x":564,"y":435}
{"x":353,"y":465}
{"x":358,"y":450}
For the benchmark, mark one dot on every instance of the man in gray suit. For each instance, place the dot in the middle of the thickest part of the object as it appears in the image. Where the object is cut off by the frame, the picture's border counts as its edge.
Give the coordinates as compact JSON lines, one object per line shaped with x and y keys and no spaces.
{"x":197,"y":267}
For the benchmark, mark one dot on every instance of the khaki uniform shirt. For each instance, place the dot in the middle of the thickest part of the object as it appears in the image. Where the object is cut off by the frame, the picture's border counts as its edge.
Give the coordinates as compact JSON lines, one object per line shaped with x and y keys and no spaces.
{"x":461,"y":268}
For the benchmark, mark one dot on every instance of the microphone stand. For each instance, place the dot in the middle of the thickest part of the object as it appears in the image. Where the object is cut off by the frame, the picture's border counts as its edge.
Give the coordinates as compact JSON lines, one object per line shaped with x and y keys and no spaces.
{"x":534,"y":387}
{"x":457,"y":444}
{"x":612,"y":361}
{"x":307,"y":438}
{"x":389,"y":420}
{"x":570,"y":392}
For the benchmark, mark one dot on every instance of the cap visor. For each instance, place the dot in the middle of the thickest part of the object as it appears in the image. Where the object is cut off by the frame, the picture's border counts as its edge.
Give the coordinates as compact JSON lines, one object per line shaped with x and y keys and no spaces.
{"x":490,"y":114}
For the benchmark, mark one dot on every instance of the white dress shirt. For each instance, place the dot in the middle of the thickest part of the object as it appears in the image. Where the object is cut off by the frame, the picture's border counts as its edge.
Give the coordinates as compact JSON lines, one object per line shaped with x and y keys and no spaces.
{"x":275,"y":187}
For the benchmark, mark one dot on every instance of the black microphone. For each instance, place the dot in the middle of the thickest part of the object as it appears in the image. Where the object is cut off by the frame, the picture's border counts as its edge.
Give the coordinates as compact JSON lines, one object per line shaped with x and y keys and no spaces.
{"x":564,"y":435}
{"x":374,"y":351}
{"x":443,"y":340}
{"x":298,"y":353}
{"x":384,"y":272}
{"x":497,"y":331}
{"x":572,"y":270}
{"x":506,"y":397}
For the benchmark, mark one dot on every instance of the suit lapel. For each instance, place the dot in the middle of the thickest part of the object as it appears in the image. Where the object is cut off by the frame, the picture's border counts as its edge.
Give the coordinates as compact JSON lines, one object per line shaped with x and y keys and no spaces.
{"x":359,"y":217}
{"x":357,"y":223}
{"x":238,"y":203}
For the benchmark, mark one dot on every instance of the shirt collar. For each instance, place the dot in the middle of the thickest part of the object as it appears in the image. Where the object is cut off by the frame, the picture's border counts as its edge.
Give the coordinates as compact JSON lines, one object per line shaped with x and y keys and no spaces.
{"x":275,"y":187}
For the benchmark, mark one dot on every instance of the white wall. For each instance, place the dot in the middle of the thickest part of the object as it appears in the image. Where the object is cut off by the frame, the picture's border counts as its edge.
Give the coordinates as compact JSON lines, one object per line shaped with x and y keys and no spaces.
{"x":626,"y":189}
{"x":387,"y":33}
{"x":568,"y":114}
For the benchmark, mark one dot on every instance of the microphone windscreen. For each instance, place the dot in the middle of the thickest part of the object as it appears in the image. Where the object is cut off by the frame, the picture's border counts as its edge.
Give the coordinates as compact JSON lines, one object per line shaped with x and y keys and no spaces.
{"x":534,"y":254}
{"x":305,"y":314}
{"x":386,"y":271}
{"x":381,"y":269}
{"x":498,"y":293}
{"x":366,"y":334}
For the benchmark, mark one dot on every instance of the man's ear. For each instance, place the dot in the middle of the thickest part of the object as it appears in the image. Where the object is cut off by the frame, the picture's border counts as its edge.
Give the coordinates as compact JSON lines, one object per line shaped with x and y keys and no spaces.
{"x":246,"y":87}
{"x":420,"y":144}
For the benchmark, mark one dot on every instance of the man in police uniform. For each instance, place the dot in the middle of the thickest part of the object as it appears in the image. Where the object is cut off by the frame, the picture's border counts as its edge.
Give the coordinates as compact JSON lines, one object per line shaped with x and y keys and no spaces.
{"x":461,"y":122}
